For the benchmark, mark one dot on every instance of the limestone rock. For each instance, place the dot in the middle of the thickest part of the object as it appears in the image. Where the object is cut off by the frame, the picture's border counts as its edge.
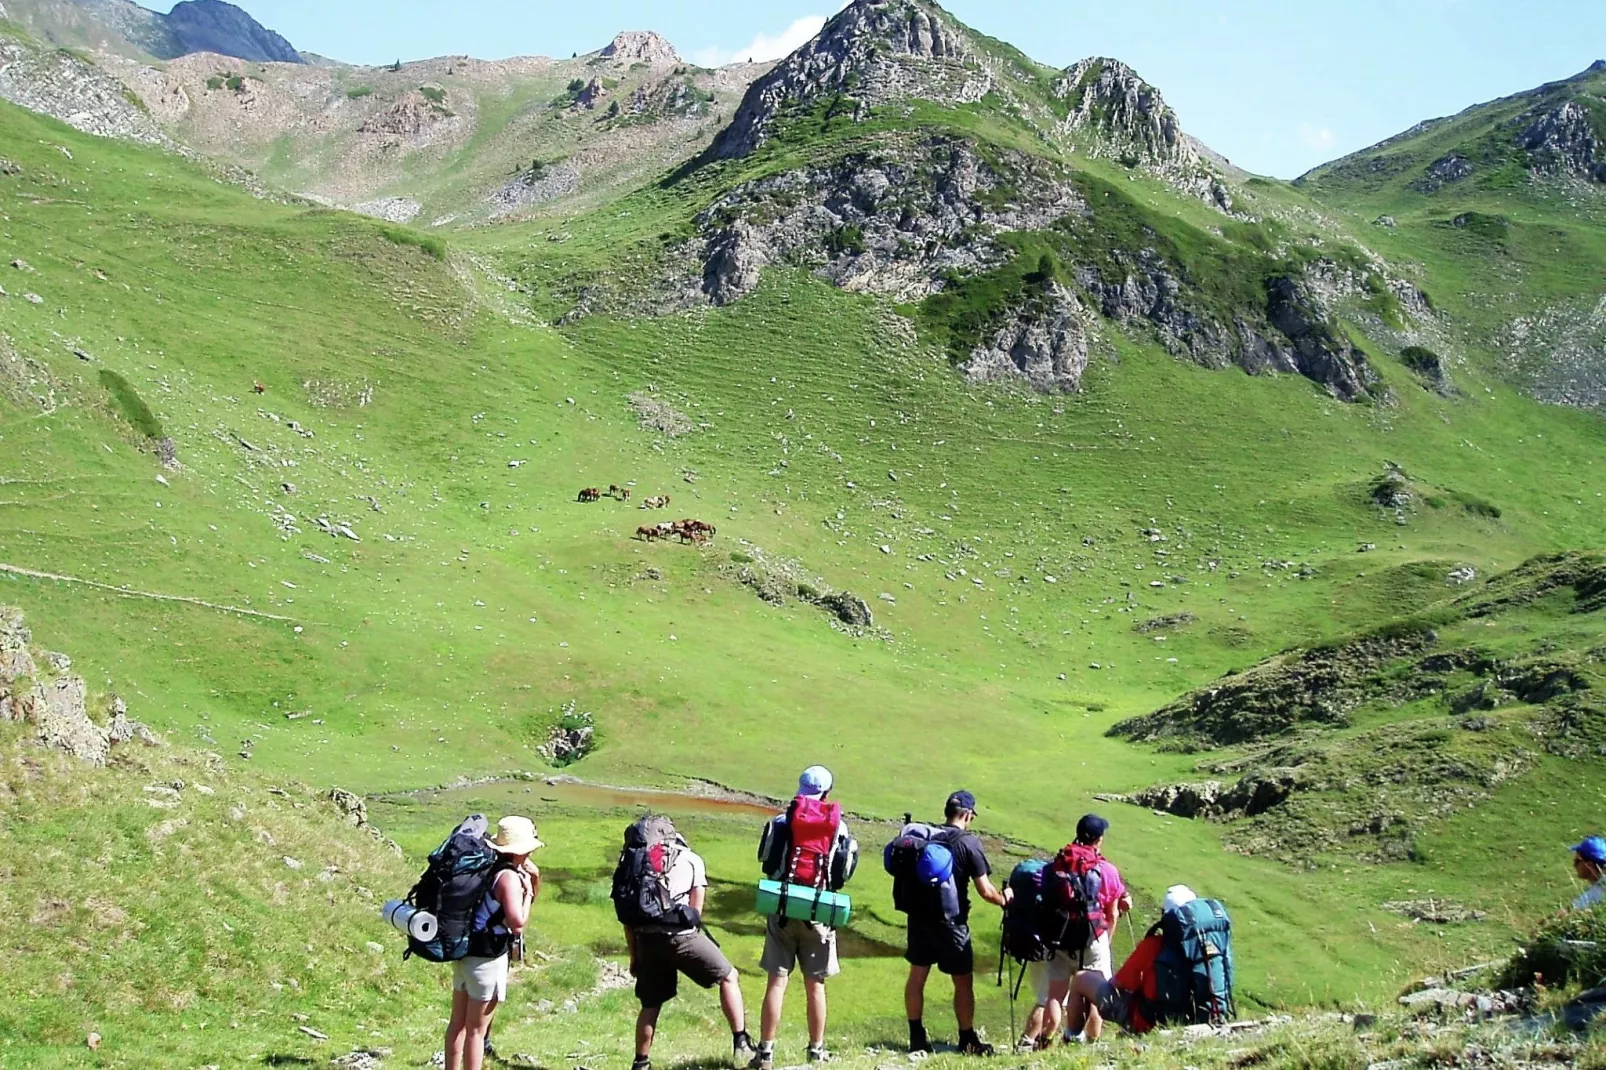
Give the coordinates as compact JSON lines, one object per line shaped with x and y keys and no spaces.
{"x":1045,"y":341}
{"x":351,"y":805}
{"x":214,"y":26}
{"x":58,"y":710}
{"x":849,"y":608}
{"x":15,"y":660}
{"x":1562,"y":140}
{"x":642,"y":46}
{"x":1444,"y":171}
{"x":1130,"y":117}
{"x":57,"y":83}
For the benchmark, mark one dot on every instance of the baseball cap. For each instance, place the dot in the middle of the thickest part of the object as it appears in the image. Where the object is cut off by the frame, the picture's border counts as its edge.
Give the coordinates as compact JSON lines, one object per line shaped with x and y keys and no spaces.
{"x":962,"y":800}
{"x":1178,"y":895}
{"x":815,"y":781}
{"x":1090,"y":828}
{"x":1593,"y":849}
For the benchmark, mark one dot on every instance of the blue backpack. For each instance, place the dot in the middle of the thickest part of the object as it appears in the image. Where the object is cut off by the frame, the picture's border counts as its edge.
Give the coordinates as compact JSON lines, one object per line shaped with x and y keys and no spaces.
{"x":1193,"y":972}
{"x":453,"y":888}
{"x":1027,"y":920}
{"x":922,"y":870}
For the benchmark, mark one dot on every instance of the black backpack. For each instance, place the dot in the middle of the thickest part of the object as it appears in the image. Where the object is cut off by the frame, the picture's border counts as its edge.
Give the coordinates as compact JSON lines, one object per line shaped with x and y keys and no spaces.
{"x":641,"y":879}
{"x":1073,"y":889}
{"x":452,"y":888}
{"x":1028,"y":917}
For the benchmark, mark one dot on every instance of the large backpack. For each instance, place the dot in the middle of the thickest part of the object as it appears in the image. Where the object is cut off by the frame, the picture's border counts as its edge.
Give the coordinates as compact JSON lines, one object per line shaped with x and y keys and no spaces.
{"x":1028,"y":919}
{"x":1193,"y":972}
{"x":806,"y":845}
{"x":452,"y":888}
{"x":921,"y":864}
{"x":641,"y":893}
{"x":1073,"y":888}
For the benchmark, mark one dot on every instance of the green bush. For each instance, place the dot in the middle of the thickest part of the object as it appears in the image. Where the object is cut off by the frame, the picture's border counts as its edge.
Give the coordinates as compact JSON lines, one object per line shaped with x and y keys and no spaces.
{"x":576,"y":87}
{"x":845,"y":240}
{"x":402,"y":236}
{"x":236,"y":82}
{"x":433,"y":94}
{"x":130,"y":404}
{"x":1566,"y":949}
{"x":217,"y":81}
{"x":359,"y":91}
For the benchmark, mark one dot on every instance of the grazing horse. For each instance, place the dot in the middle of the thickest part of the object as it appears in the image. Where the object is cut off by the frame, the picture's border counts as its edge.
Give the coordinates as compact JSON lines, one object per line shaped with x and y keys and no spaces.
{"x":590,"y":494}
{"x":616,"y":491}
{"x":648,"y":532}
{"x":659,"y":501}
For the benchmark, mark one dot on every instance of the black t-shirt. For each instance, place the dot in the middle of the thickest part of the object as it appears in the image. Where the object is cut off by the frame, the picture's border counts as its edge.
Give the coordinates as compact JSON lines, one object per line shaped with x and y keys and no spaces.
{"x":970,"y":862}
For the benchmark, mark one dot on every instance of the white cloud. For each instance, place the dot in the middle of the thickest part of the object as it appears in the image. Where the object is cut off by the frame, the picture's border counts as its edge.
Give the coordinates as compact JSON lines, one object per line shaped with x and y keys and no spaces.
{"x":1317,"y":137}
{"x":765,"y":46}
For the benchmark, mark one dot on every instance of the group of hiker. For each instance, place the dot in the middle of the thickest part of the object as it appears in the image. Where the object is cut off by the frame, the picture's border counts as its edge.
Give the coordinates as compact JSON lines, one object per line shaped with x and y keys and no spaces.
{"x":1059,"y":916}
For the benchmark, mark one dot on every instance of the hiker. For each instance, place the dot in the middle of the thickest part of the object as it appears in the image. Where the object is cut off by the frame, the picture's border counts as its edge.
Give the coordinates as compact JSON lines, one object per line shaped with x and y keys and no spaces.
{"x":1182,"y":971}
{"x":1085,"y":895}
{"x":933,"y":870}
{"x":807,"y":846}
{"x":658,"y":891}
{"x":1589,"y":866}
{"x":479,"y":981}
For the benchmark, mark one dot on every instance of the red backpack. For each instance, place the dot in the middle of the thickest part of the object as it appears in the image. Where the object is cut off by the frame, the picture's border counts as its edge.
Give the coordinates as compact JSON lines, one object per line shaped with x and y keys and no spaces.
{"x":811,"y":826}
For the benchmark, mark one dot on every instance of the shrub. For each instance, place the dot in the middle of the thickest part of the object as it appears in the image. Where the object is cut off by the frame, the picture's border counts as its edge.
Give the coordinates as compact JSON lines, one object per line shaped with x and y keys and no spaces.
{"x":845,"y":240}
{"x":434,"y":247}
{"x":576,"y":87}
{"x":433,"y":93}
{"x":359,"y":91}
{"x":216,"y":81}
{"x":1563,"y":950}
{"x":236,"y":82}
{"x":130,"y":404}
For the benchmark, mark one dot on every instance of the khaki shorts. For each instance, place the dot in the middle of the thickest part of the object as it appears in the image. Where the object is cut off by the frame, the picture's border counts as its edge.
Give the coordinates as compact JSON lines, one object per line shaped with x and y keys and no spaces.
{"x":484,"y":980}
{"x":792,"y":942}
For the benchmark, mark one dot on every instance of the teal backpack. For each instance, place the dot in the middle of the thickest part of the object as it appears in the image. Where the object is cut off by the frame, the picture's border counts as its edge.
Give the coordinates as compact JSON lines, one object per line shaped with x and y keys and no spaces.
{"x":1193,"y":972}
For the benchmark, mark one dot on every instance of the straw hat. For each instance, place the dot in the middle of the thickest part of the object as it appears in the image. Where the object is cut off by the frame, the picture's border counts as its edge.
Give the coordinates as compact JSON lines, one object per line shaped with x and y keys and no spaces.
{"x":515,"y":836}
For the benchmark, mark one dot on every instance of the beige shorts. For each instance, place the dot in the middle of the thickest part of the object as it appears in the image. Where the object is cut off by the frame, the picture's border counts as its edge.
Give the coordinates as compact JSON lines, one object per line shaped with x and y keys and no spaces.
{"x":483,"y":979}
{"x":791,"y":942}
{"x":1062,"y":966}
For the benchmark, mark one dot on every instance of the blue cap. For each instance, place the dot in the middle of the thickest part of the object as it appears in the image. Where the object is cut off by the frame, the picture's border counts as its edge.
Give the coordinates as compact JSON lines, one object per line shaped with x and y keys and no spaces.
{"x":1091,"y":828}
{"x":1592,"y":849}
{"x":815,"y":781}
{"x":961,"y":800}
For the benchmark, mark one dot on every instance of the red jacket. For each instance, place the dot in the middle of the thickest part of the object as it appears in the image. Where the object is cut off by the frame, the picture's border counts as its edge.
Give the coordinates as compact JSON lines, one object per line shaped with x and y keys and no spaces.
{"x":1136,"y":981}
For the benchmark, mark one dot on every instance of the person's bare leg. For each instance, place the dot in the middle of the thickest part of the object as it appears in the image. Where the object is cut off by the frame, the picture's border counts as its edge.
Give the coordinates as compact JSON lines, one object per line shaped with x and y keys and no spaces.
{"x":1076,"y":1005}
{"x":1034,"y":1024}
{"x":1058,"y":991}
{"x":646,"y":1029}
{"x":914,"y":992}
{"x":770,"y":1015}
{"x":454,"y":1031}
{"x":965,"y":1001}
{"x":730,"y":1001}
{"x":479,"y":1023}
{"x":814,"y":1000}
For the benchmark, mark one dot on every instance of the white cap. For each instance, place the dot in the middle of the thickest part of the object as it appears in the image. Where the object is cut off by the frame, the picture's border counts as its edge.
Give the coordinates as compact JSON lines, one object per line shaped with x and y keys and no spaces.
{"x":1178,"y":895}
{"x":815,"y":782}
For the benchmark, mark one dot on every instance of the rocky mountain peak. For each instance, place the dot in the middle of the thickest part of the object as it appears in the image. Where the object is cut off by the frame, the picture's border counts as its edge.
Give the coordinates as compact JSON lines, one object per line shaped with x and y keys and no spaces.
{"x":1563,"y":140}
{"x":1107,"y":98}
{"x":871,"y":51}
{"x":215,"y":26}
{"x":642,"y":46}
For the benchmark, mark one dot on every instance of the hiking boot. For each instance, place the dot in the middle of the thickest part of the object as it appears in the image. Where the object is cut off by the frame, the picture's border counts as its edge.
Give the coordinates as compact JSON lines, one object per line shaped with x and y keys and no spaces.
{"x":921,"y":1047}
{"x":975,"y":1046}
{"x":817,"y":1055}
{"x":641,"y":1063}
{"x":763,"y":1060}
{"x":742,"y":1051}
{"x":1026,"y":1046}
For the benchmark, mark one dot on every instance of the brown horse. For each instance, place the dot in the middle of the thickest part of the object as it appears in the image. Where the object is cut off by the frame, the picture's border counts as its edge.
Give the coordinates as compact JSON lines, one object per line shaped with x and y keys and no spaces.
{"x":616,"y":491}
{"x":590,"y":494}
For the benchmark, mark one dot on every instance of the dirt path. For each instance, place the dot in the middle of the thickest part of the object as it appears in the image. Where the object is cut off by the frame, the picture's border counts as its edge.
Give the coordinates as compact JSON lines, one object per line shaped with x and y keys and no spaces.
{"x":131,"y":593}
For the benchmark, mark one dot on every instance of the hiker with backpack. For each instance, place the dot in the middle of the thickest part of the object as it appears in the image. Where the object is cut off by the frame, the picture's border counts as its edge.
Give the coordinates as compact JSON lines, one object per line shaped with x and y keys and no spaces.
{"x":1070,"y":907}
{"x":659,"y":887}
{"x":807,"y":850}
{"x":1180,"y":973}
{"x":933,"y":869}
{"x":498,"y":911}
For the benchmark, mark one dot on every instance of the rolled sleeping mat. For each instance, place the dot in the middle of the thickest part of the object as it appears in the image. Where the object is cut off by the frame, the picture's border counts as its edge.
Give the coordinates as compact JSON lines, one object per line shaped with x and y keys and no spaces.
{"x":404,"y":918}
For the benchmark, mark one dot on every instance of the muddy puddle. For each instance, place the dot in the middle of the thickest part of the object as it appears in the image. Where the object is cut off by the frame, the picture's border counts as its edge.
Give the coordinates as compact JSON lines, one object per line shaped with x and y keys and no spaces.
{"x":582,"y":796}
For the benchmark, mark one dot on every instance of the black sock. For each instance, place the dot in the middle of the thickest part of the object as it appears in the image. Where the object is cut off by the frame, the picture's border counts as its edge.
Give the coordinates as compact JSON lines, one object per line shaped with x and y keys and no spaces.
{"x":968,"y":1036}
{"x":917,"y":1033}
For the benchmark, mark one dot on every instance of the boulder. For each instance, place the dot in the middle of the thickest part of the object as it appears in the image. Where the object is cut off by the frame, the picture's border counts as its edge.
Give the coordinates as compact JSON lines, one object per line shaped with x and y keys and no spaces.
{"x":351,"y":805}
{"x":58,"y":710}
{"x":15,"y":660}
{"x":849,"y":608}
{"x":1044,"y":341}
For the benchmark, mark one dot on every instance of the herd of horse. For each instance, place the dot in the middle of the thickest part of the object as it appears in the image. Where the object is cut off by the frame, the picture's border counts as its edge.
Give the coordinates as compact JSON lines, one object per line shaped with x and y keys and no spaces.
{"x":693,"y":531}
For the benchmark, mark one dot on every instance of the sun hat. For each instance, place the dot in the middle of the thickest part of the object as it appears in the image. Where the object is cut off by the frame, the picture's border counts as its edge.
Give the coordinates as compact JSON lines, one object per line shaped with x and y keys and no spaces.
{"x":1091,"y":828}
{"x":815,"y":782}
{"x":515,"y":836}
{"x":1593,"y":849}
{"x":1178,"y":895}
{"x":962,"y":800}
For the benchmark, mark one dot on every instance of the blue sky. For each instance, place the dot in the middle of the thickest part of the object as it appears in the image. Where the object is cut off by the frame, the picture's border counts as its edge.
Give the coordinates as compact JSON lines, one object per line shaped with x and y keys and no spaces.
{"x":1276,"y":86}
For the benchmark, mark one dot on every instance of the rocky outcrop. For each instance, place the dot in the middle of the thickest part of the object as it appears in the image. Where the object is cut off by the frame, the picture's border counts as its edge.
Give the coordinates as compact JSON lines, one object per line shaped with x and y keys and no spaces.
{"x":57,"y":706}
{"x":413,"y":118}
{"x":642,"y":46}
{"x":1253,"y":794}
{"x":589,"y":97}
{"x":871,"y":52}
{"x":1319,"y":350}
{"x":889,"y":221}
{"x":214,"y":26}
{"x":1129,"y":116}
{"x":59,"y":84}
{"x":1564,"y":140}
{"x":1044,"y":341}
{"x":1444,"y":171}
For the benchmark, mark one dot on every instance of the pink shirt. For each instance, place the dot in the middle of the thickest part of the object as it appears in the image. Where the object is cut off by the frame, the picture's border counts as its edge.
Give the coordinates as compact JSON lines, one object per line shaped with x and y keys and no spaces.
{"x":1112,"y":889}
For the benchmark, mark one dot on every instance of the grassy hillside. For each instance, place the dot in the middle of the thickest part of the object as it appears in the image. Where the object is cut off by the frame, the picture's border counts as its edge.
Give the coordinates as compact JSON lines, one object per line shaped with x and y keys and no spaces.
{"x":301,"y":486}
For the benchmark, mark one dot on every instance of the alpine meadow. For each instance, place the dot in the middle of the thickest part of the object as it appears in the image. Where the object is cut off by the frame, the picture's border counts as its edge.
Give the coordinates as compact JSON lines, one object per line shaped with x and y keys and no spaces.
{"x":964,"y":423}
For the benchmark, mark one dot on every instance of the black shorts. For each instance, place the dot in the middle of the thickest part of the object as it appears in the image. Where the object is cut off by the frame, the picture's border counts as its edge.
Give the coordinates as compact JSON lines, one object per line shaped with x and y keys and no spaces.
{"x":941,"y":944}
{"x":662,"y":957}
